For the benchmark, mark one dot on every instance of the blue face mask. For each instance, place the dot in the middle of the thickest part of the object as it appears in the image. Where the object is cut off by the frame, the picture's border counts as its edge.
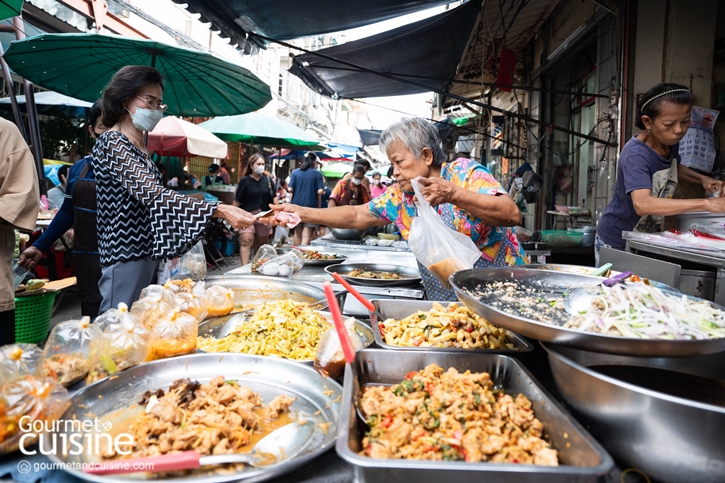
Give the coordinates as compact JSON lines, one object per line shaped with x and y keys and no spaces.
{"x":146,"y":119}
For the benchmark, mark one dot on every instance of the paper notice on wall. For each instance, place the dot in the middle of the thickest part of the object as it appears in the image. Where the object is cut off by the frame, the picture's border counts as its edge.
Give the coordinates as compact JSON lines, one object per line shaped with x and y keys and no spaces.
{"x":697,"y":148}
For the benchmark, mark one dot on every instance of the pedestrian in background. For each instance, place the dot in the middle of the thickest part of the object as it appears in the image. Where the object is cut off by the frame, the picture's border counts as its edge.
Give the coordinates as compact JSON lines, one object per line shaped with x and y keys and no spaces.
{"x":307,"y":187}
{"x":56,"y":195}
{"x":254,"y":194}
{"x":351,"y":191}
{"x":377,"y":188}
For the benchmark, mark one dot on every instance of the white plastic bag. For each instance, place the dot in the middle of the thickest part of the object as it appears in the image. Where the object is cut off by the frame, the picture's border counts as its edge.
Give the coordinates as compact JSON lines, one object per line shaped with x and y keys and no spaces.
{"x":441,"y":249}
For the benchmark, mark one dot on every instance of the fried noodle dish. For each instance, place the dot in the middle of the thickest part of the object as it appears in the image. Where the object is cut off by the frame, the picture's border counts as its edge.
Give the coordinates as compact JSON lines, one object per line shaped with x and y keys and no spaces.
{"x":455,"y":326}
{"x":219,"y":417}
{"x":358,"y":273}
{"x":284,"y":328}
{"x":452,"y":416}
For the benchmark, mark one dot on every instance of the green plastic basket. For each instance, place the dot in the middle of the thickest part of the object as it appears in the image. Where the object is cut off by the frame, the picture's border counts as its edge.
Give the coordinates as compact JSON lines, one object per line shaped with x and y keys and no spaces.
{"x":32,"y":317}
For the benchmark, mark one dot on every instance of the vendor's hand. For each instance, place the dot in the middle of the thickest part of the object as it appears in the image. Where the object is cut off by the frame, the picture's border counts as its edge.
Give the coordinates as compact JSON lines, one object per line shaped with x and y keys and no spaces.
{"x":236,"y":217}
{"x":716,"y":205}
{"x":30,"y":258}
{"x":275,"y":220}
{"x":436,"y":191}
{"x":714,"y":186}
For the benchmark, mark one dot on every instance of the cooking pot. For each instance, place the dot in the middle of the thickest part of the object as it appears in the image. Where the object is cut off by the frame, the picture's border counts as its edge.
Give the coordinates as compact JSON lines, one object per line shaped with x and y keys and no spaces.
{"x":347,"y":233}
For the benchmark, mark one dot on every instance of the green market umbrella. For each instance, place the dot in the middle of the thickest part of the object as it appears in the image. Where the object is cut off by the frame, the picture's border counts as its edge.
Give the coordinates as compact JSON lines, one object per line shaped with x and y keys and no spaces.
{"x":337,"y":170}
{"x":256,"y":128}
{"x":10,"y":8}
{"x":80,"y":65}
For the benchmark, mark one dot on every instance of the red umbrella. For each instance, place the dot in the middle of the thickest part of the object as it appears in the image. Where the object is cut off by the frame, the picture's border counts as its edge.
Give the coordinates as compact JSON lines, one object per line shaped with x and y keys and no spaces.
{"x":176,"y":137}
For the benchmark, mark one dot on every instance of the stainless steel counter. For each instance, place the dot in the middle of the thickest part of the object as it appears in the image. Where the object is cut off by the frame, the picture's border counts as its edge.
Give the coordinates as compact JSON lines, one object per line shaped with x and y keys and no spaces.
{"x":329,"y":241}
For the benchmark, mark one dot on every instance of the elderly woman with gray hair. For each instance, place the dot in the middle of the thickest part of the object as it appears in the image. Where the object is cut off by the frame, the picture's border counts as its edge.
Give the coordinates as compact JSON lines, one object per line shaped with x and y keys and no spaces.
{"x":464,"y":193}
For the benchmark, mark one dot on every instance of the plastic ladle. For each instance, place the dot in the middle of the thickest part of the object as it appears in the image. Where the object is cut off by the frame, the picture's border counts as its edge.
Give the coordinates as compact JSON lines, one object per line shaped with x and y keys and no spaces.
{"x":347,"y":348}
{"x":368,"y":304}
{"x":599,"y":272}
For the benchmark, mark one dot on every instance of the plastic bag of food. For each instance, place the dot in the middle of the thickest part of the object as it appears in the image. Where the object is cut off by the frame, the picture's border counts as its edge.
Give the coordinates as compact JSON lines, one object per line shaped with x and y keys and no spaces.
{"x":263,"y":255}
{"x":180,"y":286}
{"x":155,"y":302}
{"x":271,"y":264}
{"x":121,"y":346}
{"x":329,"y":358}
{"x":443,"y":250}
{"x":114,"y":316}
{"x":19,"y":360}
{"x":192,"y":264}
{"x":28,"y":399}
{"x":174,"y":336}
{"x":219,"y":300}
{"x":192,"y":305}
{"x":65,"y":358}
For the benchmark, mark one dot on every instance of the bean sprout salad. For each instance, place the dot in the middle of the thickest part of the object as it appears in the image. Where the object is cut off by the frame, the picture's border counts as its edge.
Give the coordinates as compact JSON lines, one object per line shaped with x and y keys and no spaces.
{"x":644,"y":312}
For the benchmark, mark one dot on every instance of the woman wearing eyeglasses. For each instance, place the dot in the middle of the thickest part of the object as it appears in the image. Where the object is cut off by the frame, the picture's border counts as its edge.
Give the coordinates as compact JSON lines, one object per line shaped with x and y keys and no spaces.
{"x":139,"y":221}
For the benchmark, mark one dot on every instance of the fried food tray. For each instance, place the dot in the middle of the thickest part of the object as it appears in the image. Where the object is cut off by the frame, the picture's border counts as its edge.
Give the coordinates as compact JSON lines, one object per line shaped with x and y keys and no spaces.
{"x":114,"y":400}
{"x":400,"y":309}
{"x":582,"y":459}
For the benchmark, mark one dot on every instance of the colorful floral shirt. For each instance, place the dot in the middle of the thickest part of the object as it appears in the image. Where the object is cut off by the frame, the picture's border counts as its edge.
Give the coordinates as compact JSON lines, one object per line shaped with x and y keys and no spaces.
{"x":498,"y":245}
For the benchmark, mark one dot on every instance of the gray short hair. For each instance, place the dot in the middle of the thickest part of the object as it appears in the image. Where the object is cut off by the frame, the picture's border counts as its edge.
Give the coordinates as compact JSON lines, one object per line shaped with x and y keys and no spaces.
{"x":416,"y":133}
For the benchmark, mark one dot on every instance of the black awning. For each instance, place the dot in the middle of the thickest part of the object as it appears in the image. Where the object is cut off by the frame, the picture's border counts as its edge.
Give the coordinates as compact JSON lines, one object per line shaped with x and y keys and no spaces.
{"x":369,"y":137}
{"x":425,"y":52}
{"x":291,"y":19}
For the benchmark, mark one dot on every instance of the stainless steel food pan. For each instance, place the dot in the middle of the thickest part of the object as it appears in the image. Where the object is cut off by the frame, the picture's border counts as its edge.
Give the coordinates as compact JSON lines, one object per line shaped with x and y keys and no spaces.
{"x":582,"y":458}
{"x":400,"y":309}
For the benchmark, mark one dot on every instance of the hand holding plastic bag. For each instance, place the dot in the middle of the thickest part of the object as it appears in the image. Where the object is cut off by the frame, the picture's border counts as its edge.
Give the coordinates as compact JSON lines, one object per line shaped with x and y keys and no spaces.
{"x":441,"y":249}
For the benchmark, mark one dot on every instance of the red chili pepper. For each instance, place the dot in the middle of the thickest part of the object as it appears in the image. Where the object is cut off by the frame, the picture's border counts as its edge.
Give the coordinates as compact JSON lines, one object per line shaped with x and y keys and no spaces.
{"x":410,"y":375}
{"x":464,"y":453}
{"x":387,"y":422}
{"x":514,"y":460}
{"x":429,"y":387}
{"x":419,"y":341}
{"x":368,"y":449}
{"x":469,"y":330}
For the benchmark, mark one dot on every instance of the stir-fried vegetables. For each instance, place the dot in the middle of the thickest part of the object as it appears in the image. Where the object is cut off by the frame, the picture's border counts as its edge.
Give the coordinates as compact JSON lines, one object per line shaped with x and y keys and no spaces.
{"x":644,"y":312}
{"x":282,"y":329}
{"x":455,"y":326}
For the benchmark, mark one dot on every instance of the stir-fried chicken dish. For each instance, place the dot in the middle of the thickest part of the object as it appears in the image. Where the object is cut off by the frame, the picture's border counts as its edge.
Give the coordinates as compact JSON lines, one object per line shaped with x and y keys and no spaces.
{"x":358,"y":273}
{"x":219,"y":417}
{"x":437,"y":415}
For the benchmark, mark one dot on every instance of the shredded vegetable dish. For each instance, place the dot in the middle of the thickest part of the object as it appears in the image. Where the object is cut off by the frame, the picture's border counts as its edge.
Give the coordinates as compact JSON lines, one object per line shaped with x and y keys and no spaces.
{"x":358,"y":273}
{"x":644,"y":312}
{"x":455,"y":326}
{"x":313,"y":255}
{"x":437,"y":415}
{"x":219,"y":417}
{"x":280,"y":329}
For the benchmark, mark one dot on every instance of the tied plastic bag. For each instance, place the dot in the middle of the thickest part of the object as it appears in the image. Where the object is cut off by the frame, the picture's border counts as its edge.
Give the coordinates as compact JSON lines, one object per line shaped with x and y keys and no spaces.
{"x":65,"y":358}
{"x":192,"y":264}
{"x":192,"y":305}
{"x":443,"y":250}
{"x":267,"y":262}
{"x":114,"y":316}
{"x":18,"y":361}
{"x":155,"y":302}
{"x":329,"y":358}
{"x":25,"y":401}
{"x":219,"y":301}
{"x":180,"y":286}
{"x":174,"y":336}
{"x":121,"y":346}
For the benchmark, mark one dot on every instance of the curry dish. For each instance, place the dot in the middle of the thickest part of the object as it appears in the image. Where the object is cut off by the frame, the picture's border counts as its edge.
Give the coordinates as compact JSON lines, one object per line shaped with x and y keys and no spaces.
{"x":219,"y":417}
{"x":437,"y":415}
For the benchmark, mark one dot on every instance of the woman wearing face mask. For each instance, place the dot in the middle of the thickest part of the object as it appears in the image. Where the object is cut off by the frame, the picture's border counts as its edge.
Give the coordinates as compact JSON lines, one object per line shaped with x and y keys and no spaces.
{"x":78,"y":212}
{"x":351,"y":191}
{"x":140,"y":221}
{"x":378,"y":187}
{"x":255,"y":193}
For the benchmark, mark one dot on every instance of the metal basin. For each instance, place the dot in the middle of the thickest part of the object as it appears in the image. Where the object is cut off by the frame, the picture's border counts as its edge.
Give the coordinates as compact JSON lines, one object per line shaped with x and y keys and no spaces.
{"x":670,"y":438}
{"x":347,"y":233}
{"x":686,"y":220}
{"x":252,"y":289}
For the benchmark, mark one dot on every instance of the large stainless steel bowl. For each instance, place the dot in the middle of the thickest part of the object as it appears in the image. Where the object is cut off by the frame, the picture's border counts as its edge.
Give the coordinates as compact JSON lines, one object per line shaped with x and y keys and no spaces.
{"x":254,"y":289}
{"x":686,"y":220}
{"x":347,"y":233}
{"x":670,"y":438}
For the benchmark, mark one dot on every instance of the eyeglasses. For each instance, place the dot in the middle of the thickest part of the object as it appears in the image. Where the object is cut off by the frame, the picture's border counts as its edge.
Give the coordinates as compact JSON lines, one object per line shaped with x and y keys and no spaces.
{"x":158,"y":106}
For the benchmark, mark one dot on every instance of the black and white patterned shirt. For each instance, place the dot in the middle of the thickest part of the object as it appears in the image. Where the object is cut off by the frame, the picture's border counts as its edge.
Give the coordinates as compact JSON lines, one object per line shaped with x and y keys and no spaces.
{"x":137,"y":216}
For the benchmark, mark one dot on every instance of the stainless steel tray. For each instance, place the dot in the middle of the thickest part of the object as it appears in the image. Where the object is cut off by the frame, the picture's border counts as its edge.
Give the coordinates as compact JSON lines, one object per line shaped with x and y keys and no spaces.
{"x":211,"y":327}
{"x":411,"y":275}
{"x":668,"y":437}
{"x":400,"y":309}
{"x":112,"y":401}
{"x":582,"y":458}
{"x":561,"y":282}
{"x":253,"y":289}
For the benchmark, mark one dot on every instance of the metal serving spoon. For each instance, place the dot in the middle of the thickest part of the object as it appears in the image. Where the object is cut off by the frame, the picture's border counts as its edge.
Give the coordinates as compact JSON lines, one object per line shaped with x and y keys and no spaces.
{"x":579,"y":300}
{"x":281,"y":444}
